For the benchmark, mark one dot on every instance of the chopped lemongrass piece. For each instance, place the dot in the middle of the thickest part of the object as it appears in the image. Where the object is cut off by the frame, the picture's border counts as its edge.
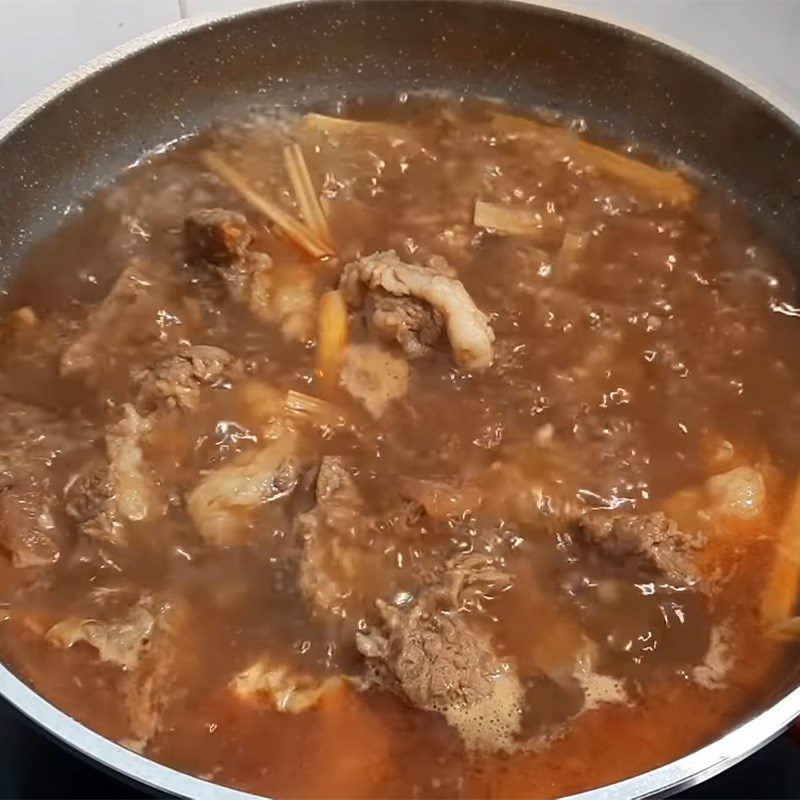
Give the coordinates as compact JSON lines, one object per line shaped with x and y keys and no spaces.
{"x":322,"y":122}
{"x":325,"y":205}
{"x":520,"y":127}
{"x":332,"y":336}
{"x":507,"y":219}
{"x":572,"y":246}
{"x":306,"y":405}
{"x":781,"y":592}
{"x":301,"y":235}
{"x":307,"y":198}
{"x":567,"y":259}
{"x":663,"y":184}
{"x":786,"y":630}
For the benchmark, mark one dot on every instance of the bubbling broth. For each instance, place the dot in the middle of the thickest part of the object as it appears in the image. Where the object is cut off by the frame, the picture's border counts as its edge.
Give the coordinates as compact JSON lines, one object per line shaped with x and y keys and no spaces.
{"x":441,"y":453}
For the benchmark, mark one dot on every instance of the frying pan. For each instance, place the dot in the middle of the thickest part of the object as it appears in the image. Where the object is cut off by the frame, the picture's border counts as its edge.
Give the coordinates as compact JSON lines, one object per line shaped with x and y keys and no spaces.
{"x":167,"y":85}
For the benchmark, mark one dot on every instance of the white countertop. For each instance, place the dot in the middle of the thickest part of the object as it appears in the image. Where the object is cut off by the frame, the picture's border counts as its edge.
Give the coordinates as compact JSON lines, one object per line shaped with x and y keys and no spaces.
{"x":40,"y":40}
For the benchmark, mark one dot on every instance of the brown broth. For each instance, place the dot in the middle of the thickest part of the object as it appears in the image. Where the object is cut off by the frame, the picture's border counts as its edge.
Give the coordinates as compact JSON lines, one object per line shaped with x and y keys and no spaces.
{"x":615,"y":380}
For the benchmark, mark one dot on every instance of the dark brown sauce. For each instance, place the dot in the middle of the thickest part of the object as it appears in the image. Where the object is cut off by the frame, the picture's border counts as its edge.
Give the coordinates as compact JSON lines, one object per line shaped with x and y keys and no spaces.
{"x":618,"y":379}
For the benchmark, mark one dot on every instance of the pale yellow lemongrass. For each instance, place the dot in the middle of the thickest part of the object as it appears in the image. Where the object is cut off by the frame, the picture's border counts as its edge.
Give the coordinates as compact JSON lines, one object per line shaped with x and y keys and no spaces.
{"x":301,"y":235}
{"x":307,"y":197}
{"x":663,"y":184}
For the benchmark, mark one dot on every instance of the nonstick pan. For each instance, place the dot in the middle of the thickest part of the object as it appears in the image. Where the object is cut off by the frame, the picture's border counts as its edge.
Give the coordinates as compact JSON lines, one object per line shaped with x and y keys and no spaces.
{"x":165,"y":86}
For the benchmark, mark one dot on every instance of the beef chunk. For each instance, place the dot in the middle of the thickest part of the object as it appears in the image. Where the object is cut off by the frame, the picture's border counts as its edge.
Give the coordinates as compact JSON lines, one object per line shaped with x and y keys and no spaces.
{"x":122,"y":641}
{"x":335,"y":483}
{"x":109,"y":490}
{"x":339,"y":502}
{"x":287,"y":690}
{"x":32,"y":438}
{"x":216,"y":236}
{"x":130,"y":315}
{"x":375,"y":282}
{"x":81,"y":355}
{"x":342,"y":567}
{"x":424,"y":647}
{"x":284,"y":296}
{"x":27,"y":529}
{"x":648,"y":540}
{"x":223,"y":505}
{"x":338,"y":577}
{"x":32,"y":442}
{"x":90,"y":499}
{"x":150,"y":688}
{"x":176,"y":381}
{"x":143,"y":639}
{"x":331,"y":560}
{"x":137,"y":496}
{"x":427,"y":651}
{"x":431,"y":656}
